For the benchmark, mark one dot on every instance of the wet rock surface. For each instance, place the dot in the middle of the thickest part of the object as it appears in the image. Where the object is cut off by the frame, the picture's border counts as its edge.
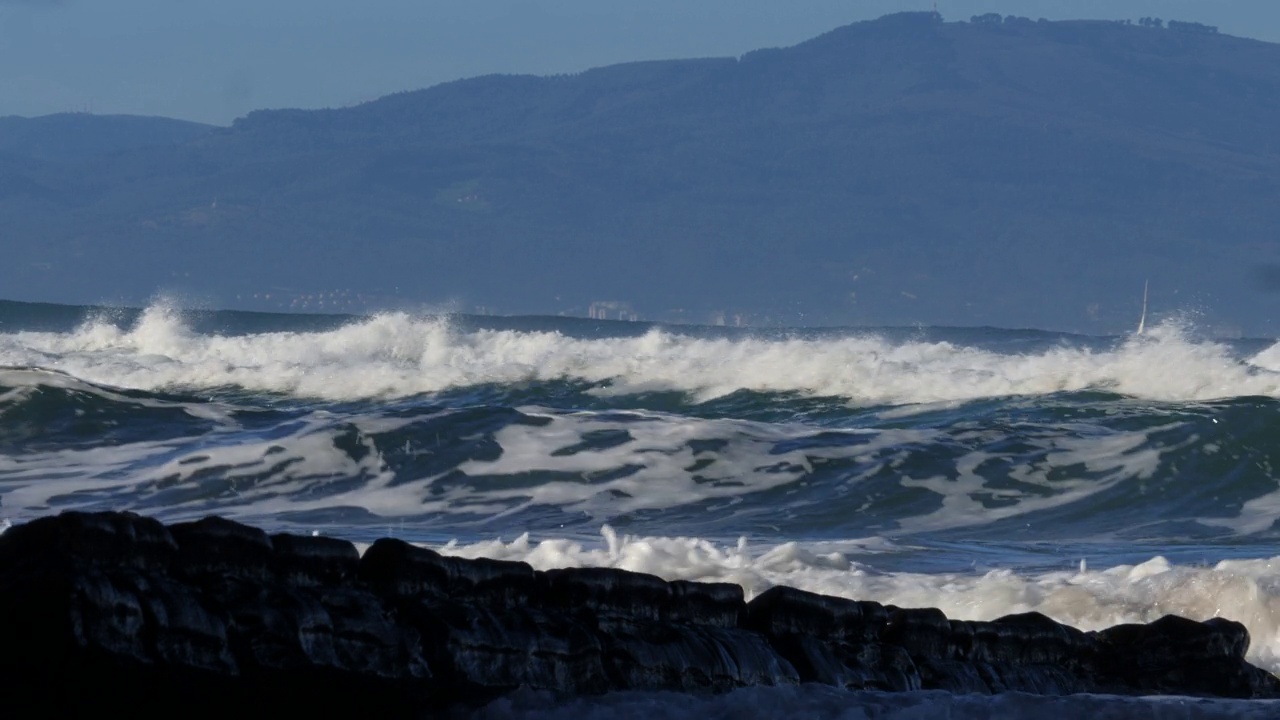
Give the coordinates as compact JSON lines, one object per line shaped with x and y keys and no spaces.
{"x":103,"y":610}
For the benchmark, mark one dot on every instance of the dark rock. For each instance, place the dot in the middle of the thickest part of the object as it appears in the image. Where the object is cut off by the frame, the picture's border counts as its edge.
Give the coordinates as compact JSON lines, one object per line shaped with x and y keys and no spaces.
{"x":718,"y":604}
{"x":367,"y":639}
{"x":659,"y":656}
{"x":314,"y":561}
{"x":1175,"y":655}
{"x":923,"y":632}
{"x":479,"y":652}
{"x":1031,"y":652}
{"x":282,"y":630}
{"x":119,"y":540}
{"x":397,"y":568}
{"x":608,"y":593}
{"x":1027,"y":638}
{"x":831,"y":640}
{"x":787,"y":611}
{"x":218,"y":548}
{"x":104,"y":612}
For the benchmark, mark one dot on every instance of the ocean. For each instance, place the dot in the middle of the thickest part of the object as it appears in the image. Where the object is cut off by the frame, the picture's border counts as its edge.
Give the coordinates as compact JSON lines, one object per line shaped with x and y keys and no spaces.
{"x":983,"y":471}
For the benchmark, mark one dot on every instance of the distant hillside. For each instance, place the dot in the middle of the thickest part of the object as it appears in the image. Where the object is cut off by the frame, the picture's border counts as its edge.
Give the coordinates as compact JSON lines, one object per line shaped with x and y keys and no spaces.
{"x":1002,"y":172}
{"x":77,"y":136}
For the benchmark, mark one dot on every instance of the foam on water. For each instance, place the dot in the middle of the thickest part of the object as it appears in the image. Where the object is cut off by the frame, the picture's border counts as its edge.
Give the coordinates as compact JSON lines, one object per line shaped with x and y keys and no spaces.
{"x":1247,"y":591}
{"x":396,"y":355}
{"x":661,"y":450}
{"x":737,"y":473}
{"x":905,"y":460}
{"x":177,"y":472}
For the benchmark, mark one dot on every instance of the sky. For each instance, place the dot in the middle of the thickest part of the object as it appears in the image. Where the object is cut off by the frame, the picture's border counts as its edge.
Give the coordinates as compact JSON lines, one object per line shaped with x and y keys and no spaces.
{"x":215,"y":61}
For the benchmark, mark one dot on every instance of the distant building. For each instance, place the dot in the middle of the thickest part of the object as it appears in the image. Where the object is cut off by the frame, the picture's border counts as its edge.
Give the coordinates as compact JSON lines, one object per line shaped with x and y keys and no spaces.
{"x":612,"y":310}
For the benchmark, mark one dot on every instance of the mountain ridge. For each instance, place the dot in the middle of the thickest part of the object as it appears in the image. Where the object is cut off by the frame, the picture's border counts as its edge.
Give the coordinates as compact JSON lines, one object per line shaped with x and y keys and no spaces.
{"x":888,"y":172}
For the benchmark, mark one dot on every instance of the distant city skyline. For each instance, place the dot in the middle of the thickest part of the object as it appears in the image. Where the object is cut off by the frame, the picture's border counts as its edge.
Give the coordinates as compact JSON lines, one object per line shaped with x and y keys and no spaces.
{"x":217,"y":61}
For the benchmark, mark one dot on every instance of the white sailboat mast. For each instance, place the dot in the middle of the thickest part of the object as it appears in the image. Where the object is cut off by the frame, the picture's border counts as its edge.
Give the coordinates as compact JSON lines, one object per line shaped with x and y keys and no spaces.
{"x":1142,"y":321}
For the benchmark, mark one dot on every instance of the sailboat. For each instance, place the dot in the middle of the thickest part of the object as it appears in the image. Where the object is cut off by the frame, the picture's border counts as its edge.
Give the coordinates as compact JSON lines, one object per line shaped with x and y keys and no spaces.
{"x":1142,"y":321}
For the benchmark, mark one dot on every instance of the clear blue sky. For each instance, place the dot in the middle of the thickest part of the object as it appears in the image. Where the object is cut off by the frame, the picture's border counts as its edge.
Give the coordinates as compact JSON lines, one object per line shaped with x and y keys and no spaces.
{"x":214,"y":61}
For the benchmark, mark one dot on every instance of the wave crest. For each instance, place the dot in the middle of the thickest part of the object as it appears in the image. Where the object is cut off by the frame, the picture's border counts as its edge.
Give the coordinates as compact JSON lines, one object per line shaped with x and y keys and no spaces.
{"x":399,"y":355}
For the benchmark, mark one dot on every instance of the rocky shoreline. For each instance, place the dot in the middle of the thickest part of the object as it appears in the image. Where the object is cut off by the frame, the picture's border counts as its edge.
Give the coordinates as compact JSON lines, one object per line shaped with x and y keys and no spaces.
{"x":103,"y":610}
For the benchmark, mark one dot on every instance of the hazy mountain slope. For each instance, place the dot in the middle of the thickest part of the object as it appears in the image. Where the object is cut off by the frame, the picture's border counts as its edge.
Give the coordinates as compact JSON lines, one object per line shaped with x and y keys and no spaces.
{"x":75,"y":136}
{"x":897,"y":171}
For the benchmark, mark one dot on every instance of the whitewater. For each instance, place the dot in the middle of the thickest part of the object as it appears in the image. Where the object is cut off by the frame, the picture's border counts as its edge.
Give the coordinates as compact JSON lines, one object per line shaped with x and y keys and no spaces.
{"x":983,"y":471}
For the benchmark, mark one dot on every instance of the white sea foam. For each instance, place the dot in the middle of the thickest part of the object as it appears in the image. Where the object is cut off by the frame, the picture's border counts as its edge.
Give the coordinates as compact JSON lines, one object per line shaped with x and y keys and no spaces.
{"x":1109,"y":459}
{"x":658,"y":462}
{"x":287,"y":471}
{"x":1247,"y":591}
{"x":660,"y":450}
{"x":398,"y":355}
{"x":176,"y":472}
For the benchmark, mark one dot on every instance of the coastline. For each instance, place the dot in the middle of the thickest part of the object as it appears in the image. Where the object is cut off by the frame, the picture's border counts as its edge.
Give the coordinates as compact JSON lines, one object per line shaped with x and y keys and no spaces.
{"x":114,"y":608}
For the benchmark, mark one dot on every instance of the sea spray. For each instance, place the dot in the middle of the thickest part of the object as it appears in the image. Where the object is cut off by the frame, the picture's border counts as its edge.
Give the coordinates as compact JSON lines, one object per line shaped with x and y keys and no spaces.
{"x":968,"y":468}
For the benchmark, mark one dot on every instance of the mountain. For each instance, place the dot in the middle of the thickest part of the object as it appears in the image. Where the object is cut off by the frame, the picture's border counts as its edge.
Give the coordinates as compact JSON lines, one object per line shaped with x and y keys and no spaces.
{"x":905,"y":170}
{"x":76,"y":136}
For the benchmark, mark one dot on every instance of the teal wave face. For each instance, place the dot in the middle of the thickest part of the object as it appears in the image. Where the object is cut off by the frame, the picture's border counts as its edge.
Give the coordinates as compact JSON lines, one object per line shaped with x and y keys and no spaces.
{"x":1070,"y":467}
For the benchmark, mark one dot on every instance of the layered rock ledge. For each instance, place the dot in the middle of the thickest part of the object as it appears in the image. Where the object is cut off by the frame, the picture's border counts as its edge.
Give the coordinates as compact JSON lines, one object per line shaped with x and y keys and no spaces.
{"x":103,"y":610}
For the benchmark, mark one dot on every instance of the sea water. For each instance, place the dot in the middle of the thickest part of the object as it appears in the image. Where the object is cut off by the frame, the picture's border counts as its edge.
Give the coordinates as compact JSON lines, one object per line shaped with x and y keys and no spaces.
{"x":983,"y":471}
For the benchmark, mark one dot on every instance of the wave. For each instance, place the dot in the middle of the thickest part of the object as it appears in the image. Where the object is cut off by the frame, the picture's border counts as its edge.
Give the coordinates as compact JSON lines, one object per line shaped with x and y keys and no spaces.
{"x":1062,"y":468}
{"x":1247,"y":591}
{"x":398,"y":355}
